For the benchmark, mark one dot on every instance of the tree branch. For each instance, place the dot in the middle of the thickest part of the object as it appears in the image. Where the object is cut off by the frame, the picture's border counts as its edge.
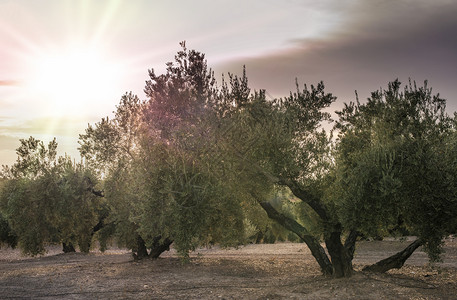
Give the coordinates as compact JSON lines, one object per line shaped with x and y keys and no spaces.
{"x":395,"y":261}
{"x":306,"y":197}
{"x":91,"y":189}
{"x":313,"y":244}
{"x":298,"y":192}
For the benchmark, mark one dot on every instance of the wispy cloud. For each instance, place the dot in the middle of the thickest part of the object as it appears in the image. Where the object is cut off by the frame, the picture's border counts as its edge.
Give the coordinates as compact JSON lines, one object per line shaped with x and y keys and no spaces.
{"x":9,"y":82}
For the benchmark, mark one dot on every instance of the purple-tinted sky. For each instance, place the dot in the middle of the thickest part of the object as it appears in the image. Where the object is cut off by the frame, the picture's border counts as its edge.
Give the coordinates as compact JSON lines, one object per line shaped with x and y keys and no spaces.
{"x":66,"y":63}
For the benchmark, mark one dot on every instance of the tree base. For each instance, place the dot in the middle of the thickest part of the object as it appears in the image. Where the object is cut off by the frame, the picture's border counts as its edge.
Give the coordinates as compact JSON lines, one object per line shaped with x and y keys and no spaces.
{"x":68,"y":248}
{"x":157,"y":249}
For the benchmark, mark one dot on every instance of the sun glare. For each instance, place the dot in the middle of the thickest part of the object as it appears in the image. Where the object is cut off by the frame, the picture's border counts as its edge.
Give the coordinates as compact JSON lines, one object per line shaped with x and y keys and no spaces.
{"x":72,"y":81}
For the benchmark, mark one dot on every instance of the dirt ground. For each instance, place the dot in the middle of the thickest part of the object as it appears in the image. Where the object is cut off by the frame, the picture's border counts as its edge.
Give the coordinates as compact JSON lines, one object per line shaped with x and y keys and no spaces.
{"x":276,"y":271}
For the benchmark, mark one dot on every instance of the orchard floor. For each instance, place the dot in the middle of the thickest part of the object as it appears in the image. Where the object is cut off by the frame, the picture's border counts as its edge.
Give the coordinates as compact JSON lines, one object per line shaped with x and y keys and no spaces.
{"x":278,"y":271}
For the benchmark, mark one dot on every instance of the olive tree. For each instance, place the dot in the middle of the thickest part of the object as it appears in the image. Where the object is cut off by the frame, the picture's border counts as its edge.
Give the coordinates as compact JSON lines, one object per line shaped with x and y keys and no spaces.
{"x":47,"y":199}
{"x":189,"y":164}
{"x":396,"y":168}
{"x":391,"y":168}
{"x":279,"y":145}
{"x":158,"y":180}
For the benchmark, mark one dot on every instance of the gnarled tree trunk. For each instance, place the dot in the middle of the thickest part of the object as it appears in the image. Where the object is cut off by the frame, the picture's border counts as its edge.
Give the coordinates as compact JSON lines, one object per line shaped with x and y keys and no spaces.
{"x":395,"y":261}
{"x":341,"y":259}
{"x":313,"y":244}
{"x":159,"y":246}
{"x":340,"y":255}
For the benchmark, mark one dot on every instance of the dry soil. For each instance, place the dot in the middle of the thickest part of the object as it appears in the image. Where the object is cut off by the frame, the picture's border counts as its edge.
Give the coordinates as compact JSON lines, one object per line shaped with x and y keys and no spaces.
{"x":279,"y":271}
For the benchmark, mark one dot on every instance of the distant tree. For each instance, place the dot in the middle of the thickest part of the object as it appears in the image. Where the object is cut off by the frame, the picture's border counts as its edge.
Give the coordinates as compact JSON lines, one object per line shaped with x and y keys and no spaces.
{"x":7,"y":236}
{"x":47,"y":200}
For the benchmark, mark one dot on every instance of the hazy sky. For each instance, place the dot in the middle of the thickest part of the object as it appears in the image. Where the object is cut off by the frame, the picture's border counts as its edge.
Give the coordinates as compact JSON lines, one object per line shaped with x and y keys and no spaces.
{"x":66,"y":63}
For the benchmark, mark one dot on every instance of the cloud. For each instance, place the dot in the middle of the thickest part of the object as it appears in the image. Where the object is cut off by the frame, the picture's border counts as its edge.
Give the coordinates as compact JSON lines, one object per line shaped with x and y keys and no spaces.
{"x":9,"y":82}
{"x":381,"y":40}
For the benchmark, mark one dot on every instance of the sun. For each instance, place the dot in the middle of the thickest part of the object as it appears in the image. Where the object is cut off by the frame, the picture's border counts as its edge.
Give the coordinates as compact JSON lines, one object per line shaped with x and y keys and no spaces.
{"x":72,"y":81}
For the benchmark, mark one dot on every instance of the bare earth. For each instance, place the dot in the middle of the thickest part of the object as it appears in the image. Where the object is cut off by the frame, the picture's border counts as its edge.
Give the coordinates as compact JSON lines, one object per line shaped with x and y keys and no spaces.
{"x":276,"y":271}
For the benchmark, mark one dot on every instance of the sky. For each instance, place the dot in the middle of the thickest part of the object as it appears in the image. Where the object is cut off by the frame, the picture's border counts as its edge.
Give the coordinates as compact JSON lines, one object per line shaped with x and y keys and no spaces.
{"x":66,"y":63}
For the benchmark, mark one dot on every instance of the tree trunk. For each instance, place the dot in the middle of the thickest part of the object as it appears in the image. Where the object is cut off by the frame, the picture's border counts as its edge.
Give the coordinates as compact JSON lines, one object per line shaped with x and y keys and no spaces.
{"x":159,"y":247}
{"x":313,"y":244}
{"x":141,"y":251}
{"x":395,"y":261}
{"x":341,"y":259}
{"x":349,"y":244}
{"x":318,"y":253}
{"x":84,"y":243}
{"x":67,"y":248}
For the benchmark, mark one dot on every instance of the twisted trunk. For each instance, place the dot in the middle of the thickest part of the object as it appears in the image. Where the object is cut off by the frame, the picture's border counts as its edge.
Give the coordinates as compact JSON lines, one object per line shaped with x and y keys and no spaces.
{"x":395,"y":261}
{"x":313,"y":244}
{"x":341,"y":255}
{"x":159,"y":246}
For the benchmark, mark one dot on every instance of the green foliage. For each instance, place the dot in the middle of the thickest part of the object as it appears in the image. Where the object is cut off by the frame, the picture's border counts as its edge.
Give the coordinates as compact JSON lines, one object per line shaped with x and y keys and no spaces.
{"x":271,"y":144}
{"x":197,"y":165}
{"x":7,"y":236}
{"x":47,"y":200}
{"x":159,"y":176}
{"x":396,"y":165}
{"x":193,"y":155}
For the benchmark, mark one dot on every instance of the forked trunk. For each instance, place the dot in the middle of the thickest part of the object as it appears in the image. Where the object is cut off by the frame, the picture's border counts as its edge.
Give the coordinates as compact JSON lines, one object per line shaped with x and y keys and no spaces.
{"x":68,"y":248}
{"x":340,"y":256}
{"x":159,"y":247}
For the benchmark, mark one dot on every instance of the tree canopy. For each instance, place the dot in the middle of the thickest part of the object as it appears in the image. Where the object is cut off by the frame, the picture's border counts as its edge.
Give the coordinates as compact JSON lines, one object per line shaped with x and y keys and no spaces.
{"x":47,"y":199}
{"x":396,"y":165}
{"x":197,"y":163}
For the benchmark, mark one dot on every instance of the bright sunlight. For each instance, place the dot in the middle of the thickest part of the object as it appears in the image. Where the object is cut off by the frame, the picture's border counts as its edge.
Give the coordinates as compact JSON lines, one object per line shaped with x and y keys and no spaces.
{"x":72,"y":80}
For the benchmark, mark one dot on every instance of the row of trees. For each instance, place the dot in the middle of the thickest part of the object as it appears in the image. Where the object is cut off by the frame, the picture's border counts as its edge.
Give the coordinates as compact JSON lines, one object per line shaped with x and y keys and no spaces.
{"x":198,"y":163}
